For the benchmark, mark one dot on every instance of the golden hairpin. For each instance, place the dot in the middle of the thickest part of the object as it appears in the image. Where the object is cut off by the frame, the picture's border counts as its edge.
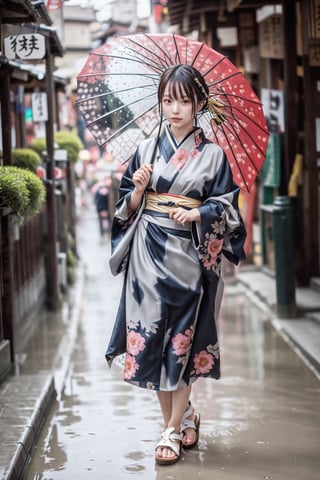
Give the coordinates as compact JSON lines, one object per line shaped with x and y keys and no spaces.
{"x":214,"y":106}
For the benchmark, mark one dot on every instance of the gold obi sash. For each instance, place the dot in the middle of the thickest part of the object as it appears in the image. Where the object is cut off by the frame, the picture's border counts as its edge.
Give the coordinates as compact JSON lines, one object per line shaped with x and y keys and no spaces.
{"x":162,"y":202}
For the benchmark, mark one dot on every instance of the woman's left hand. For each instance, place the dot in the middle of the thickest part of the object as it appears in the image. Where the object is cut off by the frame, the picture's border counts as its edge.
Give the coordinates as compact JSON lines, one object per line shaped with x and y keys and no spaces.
{"x":182,"y":216}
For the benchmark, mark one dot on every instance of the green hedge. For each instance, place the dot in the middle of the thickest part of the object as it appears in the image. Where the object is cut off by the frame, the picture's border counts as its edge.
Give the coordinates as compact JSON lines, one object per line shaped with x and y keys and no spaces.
{"x":70,"y":142}
{"x":65,"y":140}
{"x":21,"y":190}
{"x":26,"y":158}
{"x":38,"y":145}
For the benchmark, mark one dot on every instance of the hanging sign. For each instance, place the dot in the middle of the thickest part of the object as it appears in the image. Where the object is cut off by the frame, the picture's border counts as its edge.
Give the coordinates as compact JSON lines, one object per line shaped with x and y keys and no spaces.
{"x":39,"y":107}
{"x":314,"y":22}
{"x":29,"y":46}
{"x":273,"y":109}
{"x":271,"y":38}
{"x":54,"y":5}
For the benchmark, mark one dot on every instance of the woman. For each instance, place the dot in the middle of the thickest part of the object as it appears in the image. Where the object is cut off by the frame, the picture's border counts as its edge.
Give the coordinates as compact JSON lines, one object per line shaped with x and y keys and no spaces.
{"x":180,"y":188}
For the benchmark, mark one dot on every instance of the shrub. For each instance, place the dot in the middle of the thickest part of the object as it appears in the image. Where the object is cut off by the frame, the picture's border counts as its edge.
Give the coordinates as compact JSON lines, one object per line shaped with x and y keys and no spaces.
{"x":26,"y":158}
{"x":21,"y":190}
{"x":14,"y":193}
{"x":38,"y":145}
{"x":37,"y":192}
{"x":65,"y":140}
{"x":70,"y":142}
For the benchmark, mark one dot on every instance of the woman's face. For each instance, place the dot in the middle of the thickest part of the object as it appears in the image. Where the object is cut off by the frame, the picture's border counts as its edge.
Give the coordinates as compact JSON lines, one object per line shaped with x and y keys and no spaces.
{"x":178,"y":110}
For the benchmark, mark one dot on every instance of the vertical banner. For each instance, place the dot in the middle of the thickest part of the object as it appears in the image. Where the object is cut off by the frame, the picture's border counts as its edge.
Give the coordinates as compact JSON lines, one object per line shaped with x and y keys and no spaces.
{"x":247,"y":208}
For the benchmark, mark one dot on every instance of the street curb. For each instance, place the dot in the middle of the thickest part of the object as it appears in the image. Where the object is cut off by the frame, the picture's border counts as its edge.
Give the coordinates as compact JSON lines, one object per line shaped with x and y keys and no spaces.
{"x":68,"y":343}
{"x":278,"y":326}
{"x":309,"y":359}
{"x":27,"y":440}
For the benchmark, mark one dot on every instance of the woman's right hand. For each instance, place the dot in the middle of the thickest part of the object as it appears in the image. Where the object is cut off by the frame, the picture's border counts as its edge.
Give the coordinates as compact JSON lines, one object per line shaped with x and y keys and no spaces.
{"x":141,"y":177}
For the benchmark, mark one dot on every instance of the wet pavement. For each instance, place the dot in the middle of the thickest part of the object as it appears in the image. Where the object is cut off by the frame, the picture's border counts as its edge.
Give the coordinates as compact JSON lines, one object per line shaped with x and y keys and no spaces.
{"x":260,"y":421}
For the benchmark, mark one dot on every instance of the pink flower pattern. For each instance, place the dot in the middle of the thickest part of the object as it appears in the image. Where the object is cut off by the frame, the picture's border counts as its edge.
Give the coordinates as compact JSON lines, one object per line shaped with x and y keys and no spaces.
{"x":211,"y":248}
{"x":203,"y":362}
{"x":135,"y":343}
{"x":214,"y":247}
{"x":179,"y":158}
{"x":130,"y":367}
{"x":181,"y":343}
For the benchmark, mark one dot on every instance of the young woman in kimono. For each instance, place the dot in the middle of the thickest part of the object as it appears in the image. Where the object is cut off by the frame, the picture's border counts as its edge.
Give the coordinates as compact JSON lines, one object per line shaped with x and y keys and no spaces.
{"x":179,"y":196}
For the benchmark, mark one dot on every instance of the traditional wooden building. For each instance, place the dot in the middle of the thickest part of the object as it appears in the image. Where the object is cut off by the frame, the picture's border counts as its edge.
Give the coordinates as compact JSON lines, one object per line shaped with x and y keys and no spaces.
{"x":24,"y":262}
{"x":277,"y":45}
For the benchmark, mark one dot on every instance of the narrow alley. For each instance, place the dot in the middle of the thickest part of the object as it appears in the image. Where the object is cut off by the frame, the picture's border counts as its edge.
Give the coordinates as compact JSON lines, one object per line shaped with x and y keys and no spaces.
{"x":260,"y":421}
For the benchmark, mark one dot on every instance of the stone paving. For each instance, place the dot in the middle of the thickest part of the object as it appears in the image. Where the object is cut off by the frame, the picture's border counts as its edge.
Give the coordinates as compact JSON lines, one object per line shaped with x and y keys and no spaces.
{"x":41,"y":371}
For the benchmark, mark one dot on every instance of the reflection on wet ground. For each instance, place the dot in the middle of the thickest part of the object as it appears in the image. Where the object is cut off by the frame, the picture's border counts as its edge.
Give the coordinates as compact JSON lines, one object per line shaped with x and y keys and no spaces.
{"x":260,"y":421}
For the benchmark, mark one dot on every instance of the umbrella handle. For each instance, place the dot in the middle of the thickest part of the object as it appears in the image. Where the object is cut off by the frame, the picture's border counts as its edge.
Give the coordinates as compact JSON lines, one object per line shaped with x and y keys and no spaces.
{"x":153,"y":157}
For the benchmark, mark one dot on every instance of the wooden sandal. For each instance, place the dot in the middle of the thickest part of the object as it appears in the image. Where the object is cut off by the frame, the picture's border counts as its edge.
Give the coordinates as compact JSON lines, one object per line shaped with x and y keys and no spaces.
{"x":169,"y":440}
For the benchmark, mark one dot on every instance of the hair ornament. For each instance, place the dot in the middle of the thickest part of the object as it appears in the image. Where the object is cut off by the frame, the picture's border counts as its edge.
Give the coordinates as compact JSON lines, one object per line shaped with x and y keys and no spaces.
{"x":215,"y":107}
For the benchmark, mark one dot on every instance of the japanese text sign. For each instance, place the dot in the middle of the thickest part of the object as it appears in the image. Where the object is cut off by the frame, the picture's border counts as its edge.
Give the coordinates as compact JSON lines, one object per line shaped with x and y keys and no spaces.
{"x":39,"y":107}
{"x":270,"y":37}
{"x":25,"y":47}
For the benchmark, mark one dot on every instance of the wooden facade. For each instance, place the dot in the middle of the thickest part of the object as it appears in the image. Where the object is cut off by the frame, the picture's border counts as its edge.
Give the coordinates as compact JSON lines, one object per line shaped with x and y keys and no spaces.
{"x":286,"y":47}
{"x":24,"y":248}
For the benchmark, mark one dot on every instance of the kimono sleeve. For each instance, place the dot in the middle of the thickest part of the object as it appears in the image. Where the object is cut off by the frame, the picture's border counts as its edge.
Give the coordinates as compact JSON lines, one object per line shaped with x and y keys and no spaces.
{"x":221,"y":230}
{"x":123,"y":217}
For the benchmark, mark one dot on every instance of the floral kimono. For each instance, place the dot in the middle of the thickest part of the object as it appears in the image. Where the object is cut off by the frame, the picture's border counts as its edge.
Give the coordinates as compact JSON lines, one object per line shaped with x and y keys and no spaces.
{"x":165,"y":323}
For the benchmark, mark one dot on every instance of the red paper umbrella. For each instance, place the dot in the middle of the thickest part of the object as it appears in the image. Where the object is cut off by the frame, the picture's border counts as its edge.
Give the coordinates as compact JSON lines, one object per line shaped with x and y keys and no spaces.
{"x":117,"y":96}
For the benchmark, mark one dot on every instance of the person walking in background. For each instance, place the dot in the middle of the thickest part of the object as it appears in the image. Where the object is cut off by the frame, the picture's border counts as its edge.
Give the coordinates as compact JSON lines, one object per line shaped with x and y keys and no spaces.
{"x":101,"y":201}
{"x":179,"y":196}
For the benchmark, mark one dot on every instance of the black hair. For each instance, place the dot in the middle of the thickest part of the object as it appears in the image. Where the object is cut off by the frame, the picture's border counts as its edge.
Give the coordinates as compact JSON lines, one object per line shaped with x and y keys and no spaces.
{"x":184,"y":80}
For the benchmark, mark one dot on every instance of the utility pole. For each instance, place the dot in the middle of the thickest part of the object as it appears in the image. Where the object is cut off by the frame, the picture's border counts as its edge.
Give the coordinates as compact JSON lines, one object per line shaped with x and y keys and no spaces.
{"x":53,"y":297}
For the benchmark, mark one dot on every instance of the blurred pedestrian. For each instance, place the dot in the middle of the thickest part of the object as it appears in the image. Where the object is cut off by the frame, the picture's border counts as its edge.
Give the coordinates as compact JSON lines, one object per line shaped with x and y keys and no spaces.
{"x":180,"y":187}
{"x":101,"y":201}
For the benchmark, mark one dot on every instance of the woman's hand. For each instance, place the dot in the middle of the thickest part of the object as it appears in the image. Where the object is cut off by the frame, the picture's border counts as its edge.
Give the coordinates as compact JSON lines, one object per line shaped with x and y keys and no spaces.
{"x":182,"y":216}
{"x":141,"y":177}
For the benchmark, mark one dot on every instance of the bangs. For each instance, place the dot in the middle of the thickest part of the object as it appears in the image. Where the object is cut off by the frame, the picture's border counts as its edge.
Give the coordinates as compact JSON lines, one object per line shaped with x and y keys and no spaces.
{"x":178,"y":89}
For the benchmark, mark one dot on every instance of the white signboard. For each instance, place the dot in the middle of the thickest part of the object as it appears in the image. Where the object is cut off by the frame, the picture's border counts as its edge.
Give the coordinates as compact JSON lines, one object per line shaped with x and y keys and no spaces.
{"x":25,"y":47}
{"x":39,"y":107}
{"x":273,"y":108}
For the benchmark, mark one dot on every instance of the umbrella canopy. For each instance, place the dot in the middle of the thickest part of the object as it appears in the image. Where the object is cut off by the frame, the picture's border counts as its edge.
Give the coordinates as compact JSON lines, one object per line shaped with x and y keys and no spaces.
{"x":117,"y":96}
